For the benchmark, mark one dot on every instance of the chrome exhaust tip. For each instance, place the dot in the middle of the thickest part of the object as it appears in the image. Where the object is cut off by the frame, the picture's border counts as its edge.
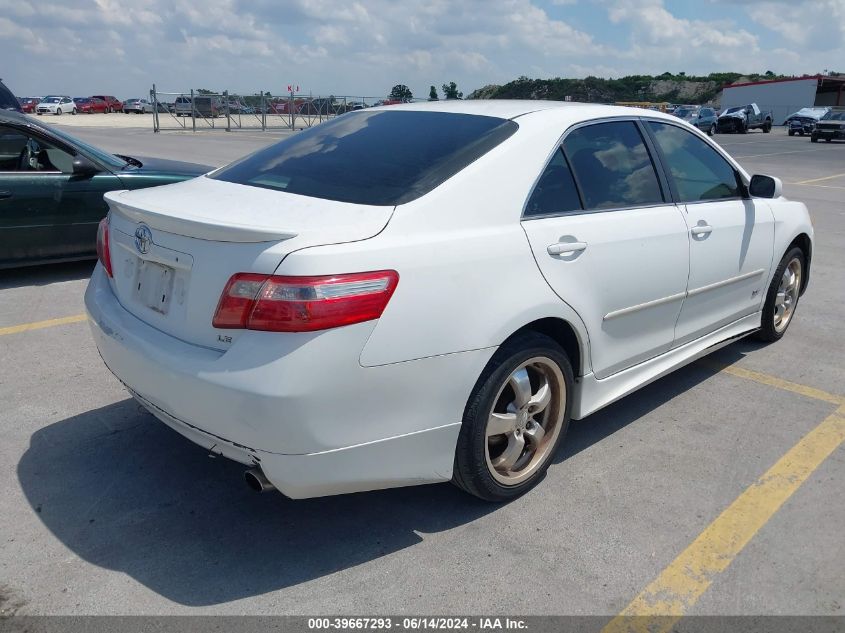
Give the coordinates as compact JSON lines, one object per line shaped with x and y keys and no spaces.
{"x":256,"y":480}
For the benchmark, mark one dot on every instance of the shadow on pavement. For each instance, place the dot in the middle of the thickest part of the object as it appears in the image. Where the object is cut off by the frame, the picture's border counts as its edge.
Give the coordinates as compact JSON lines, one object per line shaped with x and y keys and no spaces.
{"x":124,"y":492}
{"x":46,"y":274}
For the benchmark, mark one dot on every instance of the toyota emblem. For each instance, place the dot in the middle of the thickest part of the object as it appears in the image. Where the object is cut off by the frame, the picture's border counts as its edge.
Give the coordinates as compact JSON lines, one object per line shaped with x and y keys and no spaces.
{"x":143,"y":238}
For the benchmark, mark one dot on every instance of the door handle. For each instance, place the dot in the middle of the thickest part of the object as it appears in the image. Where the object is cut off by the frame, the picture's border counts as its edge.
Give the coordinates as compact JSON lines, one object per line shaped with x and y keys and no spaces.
{"x":5,"y":194}
{"x":701,"y":229}
{"x":563,"y":248}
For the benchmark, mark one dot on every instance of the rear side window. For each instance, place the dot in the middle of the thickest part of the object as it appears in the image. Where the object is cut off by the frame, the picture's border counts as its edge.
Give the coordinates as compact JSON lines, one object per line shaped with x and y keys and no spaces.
{"x":555,"y":192}
{"x":699,"y":172}
{"x":378,"y":158}
{"x":612,"y":166}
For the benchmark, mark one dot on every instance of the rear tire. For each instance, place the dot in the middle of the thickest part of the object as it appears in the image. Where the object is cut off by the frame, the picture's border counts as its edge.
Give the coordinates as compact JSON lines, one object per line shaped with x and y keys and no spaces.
{"x":814,"y":139}
{"x":73,"y":112}
{"x":525,"y":391}
{"x":711,"y":130}
{"x":782,"y":296}
{"x":792,"y":132}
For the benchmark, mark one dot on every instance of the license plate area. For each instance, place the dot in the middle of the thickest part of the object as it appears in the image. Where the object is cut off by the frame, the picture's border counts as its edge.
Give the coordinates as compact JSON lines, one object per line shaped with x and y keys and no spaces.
{"x":154,"y":285}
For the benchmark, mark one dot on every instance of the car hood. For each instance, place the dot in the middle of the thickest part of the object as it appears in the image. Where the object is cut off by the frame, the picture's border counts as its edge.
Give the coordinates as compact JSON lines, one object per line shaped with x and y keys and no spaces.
{"x":733,"y":115}
{"x":163,"y":165}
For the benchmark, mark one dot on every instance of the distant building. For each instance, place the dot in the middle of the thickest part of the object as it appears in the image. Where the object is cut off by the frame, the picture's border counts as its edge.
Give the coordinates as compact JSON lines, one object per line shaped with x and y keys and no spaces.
{"x":785,"y":96}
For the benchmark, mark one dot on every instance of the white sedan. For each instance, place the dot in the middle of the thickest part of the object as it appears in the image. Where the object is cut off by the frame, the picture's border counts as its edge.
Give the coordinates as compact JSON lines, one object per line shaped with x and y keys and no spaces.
{"x":430,"y":292}
{"x":55,"y":105}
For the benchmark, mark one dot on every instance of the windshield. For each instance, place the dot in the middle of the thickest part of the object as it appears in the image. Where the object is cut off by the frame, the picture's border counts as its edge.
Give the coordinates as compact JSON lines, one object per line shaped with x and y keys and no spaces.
{"x":53,"y":100}
{"x":730,"y":110}
{"x":377,"y":158}
{"x":96,"y":153}
{"x":834,"y":115}
{"x":684,"y":112}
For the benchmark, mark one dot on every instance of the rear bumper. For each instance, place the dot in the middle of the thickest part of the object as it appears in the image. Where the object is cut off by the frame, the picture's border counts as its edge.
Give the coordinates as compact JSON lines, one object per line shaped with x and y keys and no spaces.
{"x":299,"y":405}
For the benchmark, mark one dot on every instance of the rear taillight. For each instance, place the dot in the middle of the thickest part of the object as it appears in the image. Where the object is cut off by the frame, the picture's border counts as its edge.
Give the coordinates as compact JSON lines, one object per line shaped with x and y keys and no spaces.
{"x":103,"y":251}
{"x":303,"y":304}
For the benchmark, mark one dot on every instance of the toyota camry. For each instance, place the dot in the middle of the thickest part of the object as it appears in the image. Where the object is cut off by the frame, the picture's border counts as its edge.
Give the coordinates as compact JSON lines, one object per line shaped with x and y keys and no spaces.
{"x":431,"y":292}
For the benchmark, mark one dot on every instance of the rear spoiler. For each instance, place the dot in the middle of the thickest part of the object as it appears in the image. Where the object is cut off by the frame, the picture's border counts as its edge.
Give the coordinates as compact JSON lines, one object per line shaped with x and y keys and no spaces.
{"x":182,"y":223}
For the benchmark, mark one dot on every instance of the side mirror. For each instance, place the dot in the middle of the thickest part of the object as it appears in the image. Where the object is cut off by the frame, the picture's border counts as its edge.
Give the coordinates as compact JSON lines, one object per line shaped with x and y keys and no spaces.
{"x":83,"y":166}
{"x":765,"y":187}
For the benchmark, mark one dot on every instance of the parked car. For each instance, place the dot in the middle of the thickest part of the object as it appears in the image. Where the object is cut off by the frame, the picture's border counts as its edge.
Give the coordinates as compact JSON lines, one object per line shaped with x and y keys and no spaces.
{"x":702,"y":117}
{"x":52,"y":186}
{"x":114,"y":104}
{"x":831,"y":126}
{"x":138,"y":106}
{"x":210,"y":106}
{"x":804,"y":121}
{"x":182,"y":106}
{"x":339,"y":320}
{"x":8,"y":101}
{"x":28,"y":104}
{"x":740,"y":119}
{"x":57,"y":105}
{"x":203,"y":106}
{"x":90,"y":105}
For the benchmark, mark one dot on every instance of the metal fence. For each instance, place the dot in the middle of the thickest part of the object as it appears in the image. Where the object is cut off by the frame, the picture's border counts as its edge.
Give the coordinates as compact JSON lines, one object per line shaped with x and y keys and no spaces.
{"x":197,"y":111}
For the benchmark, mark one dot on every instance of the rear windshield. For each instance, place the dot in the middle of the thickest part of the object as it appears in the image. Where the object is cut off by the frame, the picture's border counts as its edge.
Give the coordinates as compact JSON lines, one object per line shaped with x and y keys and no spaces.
{"x":377,"y":158}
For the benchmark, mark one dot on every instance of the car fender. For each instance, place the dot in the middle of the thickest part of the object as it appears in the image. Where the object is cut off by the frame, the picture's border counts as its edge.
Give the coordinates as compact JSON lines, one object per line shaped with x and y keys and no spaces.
{"x":791,"y":219}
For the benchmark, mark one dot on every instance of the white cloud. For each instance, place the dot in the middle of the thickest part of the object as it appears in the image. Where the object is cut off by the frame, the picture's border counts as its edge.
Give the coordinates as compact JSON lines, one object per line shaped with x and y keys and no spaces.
{"x":365,"y":46}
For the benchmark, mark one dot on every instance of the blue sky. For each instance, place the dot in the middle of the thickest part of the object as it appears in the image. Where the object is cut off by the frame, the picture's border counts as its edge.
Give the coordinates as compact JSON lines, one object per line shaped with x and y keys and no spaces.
{"x":363,"y":47}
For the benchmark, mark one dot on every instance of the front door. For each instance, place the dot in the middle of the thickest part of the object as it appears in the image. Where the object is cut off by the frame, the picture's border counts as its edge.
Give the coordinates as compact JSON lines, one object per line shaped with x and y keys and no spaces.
{"x":731,"y":237}
{"x":46,"y":211}
{"x":613,"y":247}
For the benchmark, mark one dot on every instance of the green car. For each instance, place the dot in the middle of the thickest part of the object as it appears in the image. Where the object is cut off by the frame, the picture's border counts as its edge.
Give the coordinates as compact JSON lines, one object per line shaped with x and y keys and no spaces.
{"x":52,"y":186}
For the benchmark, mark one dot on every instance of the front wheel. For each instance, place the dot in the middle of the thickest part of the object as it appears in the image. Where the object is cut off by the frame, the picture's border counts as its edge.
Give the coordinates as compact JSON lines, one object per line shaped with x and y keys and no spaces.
{"x":58,"y":112}
{"x":711,"y":130}
{"x":767,"y":127}
{"x":814,"y":139}
{"x":792,"y":132}
{"x":515,"y":419}
{"x":782,"y":296}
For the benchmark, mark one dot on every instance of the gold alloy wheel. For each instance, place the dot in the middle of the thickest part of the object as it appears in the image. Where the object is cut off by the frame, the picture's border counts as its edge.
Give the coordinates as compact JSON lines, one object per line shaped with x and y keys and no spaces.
{"x":526,"y":420}
{"x":787,"y":295}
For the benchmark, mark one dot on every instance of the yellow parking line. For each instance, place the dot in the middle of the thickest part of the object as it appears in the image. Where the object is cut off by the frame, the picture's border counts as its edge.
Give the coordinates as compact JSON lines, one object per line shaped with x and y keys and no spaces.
{"x":779,"y":383}
{"x":807,"y":182}
{"x":37,"y":325}
{"x":678,"y":587}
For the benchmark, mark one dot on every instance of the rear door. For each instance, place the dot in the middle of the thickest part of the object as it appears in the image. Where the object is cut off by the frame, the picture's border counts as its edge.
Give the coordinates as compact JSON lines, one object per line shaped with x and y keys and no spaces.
{"x":731,"y":236}
{"x":610,"y":242}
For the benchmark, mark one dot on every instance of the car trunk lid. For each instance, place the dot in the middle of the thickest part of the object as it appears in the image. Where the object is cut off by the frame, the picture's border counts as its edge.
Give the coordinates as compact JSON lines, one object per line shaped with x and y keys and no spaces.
{"x":173,"y":248}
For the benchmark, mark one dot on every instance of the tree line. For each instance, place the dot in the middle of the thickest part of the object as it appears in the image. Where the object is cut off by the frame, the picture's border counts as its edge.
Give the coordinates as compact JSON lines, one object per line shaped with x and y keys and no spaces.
{"x":401,"y":92}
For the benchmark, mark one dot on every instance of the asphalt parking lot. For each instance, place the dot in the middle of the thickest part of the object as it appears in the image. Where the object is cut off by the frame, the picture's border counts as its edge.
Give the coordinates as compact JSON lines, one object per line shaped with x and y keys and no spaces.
{"x":732,"y":467}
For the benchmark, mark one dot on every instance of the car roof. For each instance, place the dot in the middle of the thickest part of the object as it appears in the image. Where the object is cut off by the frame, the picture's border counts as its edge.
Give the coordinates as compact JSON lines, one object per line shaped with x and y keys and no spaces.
{"x":514,"y":108}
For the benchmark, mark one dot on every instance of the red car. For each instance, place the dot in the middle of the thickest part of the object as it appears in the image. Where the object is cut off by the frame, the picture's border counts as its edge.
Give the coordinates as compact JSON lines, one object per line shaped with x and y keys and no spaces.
{"x":28,"y":104}
{"x":113,"y":103}
{"x":90,"y":105}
